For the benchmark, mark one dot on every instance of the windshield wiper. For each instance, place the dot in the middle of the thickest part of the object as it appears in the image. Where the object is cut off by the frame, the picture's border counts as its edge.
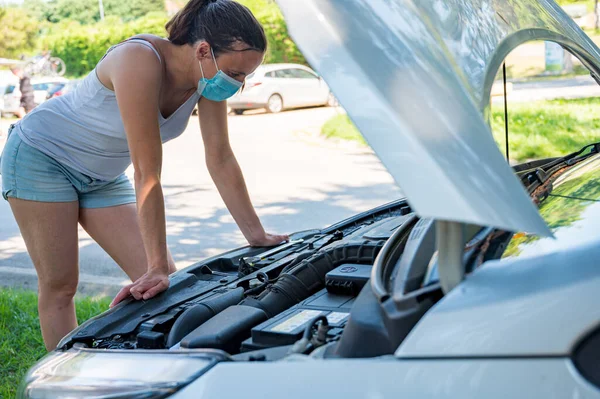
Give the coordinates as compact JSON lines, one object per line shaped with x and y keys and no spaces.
{"x":580,"y":155}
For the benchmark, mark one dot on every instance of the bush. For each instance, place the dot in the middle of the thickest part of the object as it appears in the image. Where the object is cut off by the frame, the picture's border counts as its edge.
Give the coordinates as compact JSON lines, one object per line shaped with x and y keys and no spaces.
{"x":281,"y":46}
{"x":17,"y":32}
{"x":82,"y":46}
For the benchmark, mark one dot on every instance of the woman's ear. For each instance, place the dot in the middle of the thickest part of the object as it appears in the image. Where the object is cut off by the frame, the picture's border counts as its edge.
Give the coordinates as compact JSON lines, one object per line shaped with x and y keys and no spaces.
{"x":203,"y":50}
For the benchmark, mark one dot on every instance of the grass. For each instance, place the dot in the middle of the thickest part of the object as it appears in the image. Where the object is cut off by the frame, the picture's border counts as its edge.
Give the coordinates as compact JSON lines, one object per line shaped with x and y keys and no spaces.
{"x":536,"y":130}
{"x":547,"y":128}
{"x":21,"y":342}
{"x":340,"y":127}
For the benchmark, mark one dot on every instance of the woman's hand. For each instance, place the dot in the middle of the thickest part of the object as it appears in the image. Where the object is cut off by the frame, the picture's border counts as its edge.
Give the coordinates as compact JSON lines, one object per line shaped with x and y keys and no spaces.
{"x":268,"y":240}
{"x":146,"y":287}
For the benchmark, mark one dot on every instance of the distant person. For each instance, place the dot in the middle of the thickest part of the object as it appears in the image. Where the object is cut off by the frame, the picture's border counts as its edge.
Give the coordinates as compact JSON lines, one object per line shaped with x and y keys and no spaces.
{"x":64,"y":163}
{"x":26,"y":104}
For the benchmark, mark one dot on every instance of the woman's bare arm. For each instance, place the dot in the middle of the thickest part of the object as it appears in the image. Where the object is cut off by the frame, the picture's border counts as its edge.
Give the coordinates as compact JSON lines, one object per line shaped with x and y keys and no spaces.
{"x":135,"y":73}
{"x":227,"y":175}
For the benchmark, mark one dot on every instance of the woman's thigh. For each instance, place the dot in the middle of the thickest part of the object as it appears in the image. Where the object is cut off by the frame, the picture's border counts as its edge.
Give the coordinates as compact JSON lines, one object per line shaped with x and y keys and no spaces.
{"x":116,"y":230}
{"x":50,"y":234}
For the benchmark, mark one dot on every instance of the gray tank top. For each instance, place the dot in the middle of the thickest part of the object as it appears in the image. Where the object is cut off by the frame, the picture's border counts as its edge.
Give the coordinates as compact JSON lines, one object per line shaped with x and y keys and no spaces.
{"x":83,"y":129}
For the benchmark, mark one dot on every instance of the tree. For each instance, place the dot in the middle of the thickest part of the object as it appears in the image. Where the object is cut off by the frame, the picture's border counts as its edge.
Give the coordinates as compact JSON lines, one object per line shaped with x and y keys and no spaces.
{"x":87,"y":11}
{"x":18,"y":32}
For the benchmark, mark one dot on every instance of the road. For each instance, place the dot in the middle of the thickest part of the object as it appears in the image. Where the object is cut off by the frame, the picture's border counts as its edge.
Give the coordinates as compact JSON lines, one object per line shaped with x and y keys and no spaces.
{"x":576,"y":87}
{"x":297,"y":180}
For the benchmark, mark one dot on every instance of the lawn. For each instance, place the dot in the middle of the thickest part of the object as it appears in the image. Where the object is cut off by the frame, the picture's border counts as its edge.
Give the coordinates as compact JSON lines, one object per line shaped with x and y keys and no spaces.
{"x":538,"y":129}
{"x":21,"y":342}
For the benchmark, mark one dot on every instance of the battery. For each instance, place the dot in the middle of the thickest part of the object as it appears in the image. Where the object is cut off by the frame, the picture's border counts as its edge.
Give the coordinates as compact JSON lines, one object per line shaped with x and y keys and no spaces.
{"x":288,"y":327}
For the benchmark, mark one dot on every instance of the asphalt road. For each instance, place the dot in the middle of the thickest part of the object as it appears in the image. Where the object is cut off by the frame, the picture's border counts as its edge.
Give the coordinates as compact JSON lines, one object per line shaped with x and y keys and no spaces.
{"x":576,"y":87}
{"x":296,"y":179}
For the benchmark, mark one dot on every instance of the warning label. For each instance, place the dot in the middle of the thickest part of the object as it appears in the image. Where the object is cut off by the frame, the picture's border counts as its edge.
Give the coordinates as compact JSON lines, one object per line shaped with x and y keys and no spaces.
{"x":336,"y":318}
{"x":291,"y":324}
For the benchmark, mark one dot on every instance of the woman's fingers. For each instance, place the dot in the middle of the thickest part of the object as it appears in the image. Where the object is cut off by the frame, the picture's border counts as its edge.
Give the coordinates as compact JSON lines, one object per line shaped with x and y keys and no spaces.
{"x":157,"y":289}
{"x":123,"y":294}
{"x":283,"y":237}
{"x":146,"y":287}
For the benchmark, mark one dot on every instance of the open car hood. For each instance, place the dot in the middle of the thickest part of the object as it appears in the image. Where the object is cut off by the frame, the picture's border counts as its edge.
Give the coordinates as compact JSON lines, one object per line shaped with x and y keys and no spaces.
{"x":415,"y":77}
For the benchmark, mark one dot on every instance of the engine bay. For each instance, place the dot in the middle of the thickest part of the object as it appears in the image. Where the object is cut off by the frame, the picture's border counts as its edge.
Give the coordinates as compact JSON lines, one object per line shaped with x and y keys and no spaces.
{"x":352,"y":290}
{"x":253,"y":299}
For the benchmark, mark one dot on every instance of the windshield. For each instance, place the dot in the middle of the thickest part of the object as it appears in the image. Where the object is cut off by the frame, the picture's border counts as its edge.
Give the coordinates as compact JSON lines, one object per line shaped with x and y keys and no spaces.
{"x":571,"y":211}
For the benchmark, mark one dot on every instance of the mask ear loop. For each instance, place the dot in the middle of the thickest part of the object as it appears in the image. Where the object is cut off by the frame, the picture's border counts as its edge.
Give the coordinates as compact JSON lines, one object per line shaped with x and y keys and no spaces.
{"x":201,"y":70}
{"x":214,"y":59}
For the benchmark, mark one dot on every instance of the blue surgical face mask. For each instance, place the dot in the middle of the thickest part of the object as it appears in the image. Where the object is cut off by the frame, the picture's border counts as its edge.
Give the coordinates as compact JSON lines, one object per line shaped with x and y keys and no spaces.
{"x":220,"y":87}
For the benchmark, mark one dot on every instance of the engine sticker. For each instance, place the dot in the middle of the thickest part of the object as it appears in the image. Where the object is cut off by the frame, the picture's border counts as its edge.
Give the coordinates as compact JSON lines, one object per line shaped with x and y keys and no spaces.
{"x":335,"y":318}
{"x":296,"y":321}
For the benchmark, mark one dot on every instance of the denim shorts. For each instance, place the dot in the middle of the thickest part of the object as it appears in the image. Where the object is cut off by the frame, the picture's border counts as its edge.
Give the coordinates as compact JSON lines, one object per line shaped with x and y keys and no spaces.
{"x":29,"y":174}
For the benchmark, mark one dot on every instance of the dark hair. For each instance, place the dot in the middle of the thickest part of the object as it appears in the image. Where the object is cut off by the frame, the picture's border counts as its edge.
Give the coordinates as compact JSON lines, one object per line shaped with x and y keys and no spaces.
{"x":221,"y":23}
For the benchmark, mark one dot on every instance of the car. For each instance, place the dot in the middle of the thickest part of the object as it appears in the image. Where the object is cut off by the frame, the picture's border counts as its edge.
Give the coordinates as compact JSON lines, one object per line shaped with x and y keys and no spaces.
{"x":276,"y":87}
{"x":2,"y":91}
{"x":480,"y":283}
{"x":61,"y":89}
{"x":12,"y":94}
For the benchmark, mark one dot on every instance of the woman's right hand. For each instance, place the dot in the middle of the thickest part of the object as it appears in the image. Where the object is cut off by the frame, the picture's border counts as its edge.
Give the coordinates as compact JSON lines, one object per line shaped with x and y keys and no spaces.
{"x":149,"y":285}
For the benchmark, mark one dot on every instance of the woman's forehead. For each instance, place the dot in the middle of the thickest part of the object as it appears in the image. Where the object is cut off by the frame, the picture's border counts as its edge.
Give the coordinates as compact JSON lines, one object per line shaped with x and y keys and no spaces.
{"x":245,"y":61}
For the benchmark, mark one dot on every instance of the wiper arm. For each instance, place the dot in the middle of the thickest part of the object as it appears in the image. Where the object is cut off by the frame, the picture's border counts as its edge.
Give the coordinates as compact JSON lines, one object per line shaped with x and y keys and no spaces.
{"x":575,"y":157}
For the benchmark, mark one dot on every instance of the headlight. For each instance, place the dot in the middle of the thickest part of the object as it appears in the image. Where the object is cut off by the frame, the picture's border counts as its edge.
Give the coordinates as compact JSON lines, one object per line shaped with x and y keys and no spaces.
{"x":112,"y":374}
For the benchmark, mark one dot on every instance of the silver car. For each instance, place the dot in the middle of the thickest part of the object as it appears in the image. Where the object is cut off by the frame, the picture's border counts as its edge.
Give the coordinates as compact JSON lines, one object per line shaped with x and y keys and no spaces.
{"x":41,"y":86}
{"x":482,"y":283}
{"x":276,"y":87}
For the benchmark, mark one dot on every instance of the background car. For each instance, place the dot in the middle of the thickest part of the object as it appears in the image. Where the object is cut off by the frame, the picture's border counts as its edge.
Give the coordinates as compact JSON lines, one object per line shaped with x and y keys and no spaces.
{"x":12,"y":94}
{"x":2,"y":91}
{"x":276,"y":87}
{"x":61,"y":89}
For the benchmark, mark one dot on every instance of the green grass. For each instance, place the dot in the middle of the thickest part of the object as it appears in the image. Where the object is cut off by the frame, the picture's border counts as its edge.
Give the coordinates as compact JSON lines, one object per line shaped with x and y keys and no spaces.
{"x":21,"y":342}
{"x":340,"y":127}
{"x":547,"y":128}
{"x":536,"y":130}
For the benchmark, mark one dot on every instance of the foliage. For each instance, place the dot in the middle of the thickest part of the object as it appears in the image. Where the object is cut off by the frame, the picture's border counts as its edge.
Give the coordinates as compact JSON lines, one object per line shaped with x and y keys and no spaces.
{"x":82,"y":46}
{"x":281,"y":46}
{"x":21,"y":342}
{"x":87,"y":11}
{"x":17,"y":32}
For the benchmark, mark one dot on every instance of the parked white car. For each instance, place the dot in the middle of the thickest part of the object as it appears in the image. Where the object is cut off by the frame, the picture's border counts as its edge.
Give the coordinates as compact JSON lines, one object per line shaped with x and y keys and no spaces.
{"x":12,"y":95}
{"x":276,"y":87}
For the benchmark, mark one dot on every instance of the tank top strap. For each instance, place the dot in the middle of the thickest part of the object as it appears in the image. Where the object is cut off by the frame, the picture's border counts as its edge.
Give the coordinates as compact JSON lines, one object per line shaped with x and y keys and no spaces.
{"x":139,"y":40}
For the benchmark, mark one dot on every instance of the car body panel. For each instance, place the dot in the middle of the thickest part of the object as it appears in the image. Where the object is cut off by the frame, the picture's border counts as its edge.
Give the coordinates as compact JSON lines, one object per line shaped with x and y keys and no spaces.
{"x":539,"y":281}
{"x":381,"y":378}
{"x":281,"y":79}
{"x":416,"y":83}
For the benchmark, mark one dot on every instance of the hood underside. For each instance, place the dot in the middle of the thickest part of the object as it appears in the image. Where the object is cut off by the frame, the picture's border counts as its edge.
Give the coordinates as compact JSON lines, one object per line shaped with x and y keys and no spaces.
{"x":415,"y":77}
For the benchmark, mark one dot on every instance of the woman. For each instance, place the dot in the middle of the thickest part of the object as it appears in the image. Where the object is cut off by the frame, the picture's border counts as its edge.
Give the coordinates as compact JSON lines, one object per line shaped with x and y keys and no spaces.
{"x":64,"y":164}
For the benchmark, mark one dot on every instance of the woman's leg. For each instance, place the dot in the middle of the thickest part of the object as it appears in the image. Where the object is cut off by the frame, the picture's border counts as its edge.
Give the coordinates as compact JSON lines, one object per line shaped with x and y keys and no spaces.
{"x":117,"y":231}
{"x":50,"y":233}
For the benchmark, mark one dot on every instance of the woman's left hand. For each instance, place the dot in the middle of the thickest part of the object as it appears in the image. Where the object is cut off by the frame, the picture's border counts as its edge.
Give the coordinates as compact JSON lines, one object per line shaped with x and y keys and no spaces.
{"x":268,"y":240}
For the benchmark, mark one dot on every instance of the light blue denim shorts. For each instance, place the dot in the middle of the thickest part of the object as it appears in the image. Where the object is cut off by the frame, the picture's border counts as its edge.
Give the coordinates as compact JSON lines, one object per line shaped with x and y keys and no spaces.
{"x":29,"y":174}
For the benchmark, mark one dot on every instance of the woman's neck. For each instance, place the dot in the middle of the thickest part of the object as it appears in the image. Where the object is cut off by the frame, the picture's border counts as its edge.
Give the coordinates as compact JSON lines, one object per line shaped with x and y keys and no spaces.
{"x":181,"y":67}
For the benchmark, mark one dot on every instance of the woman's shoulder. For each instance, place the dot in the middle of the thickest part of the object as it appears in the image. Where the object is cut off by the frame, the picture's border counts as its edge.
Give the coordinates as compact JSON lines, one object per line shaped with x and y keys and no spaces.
{"x":121,"y":59}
